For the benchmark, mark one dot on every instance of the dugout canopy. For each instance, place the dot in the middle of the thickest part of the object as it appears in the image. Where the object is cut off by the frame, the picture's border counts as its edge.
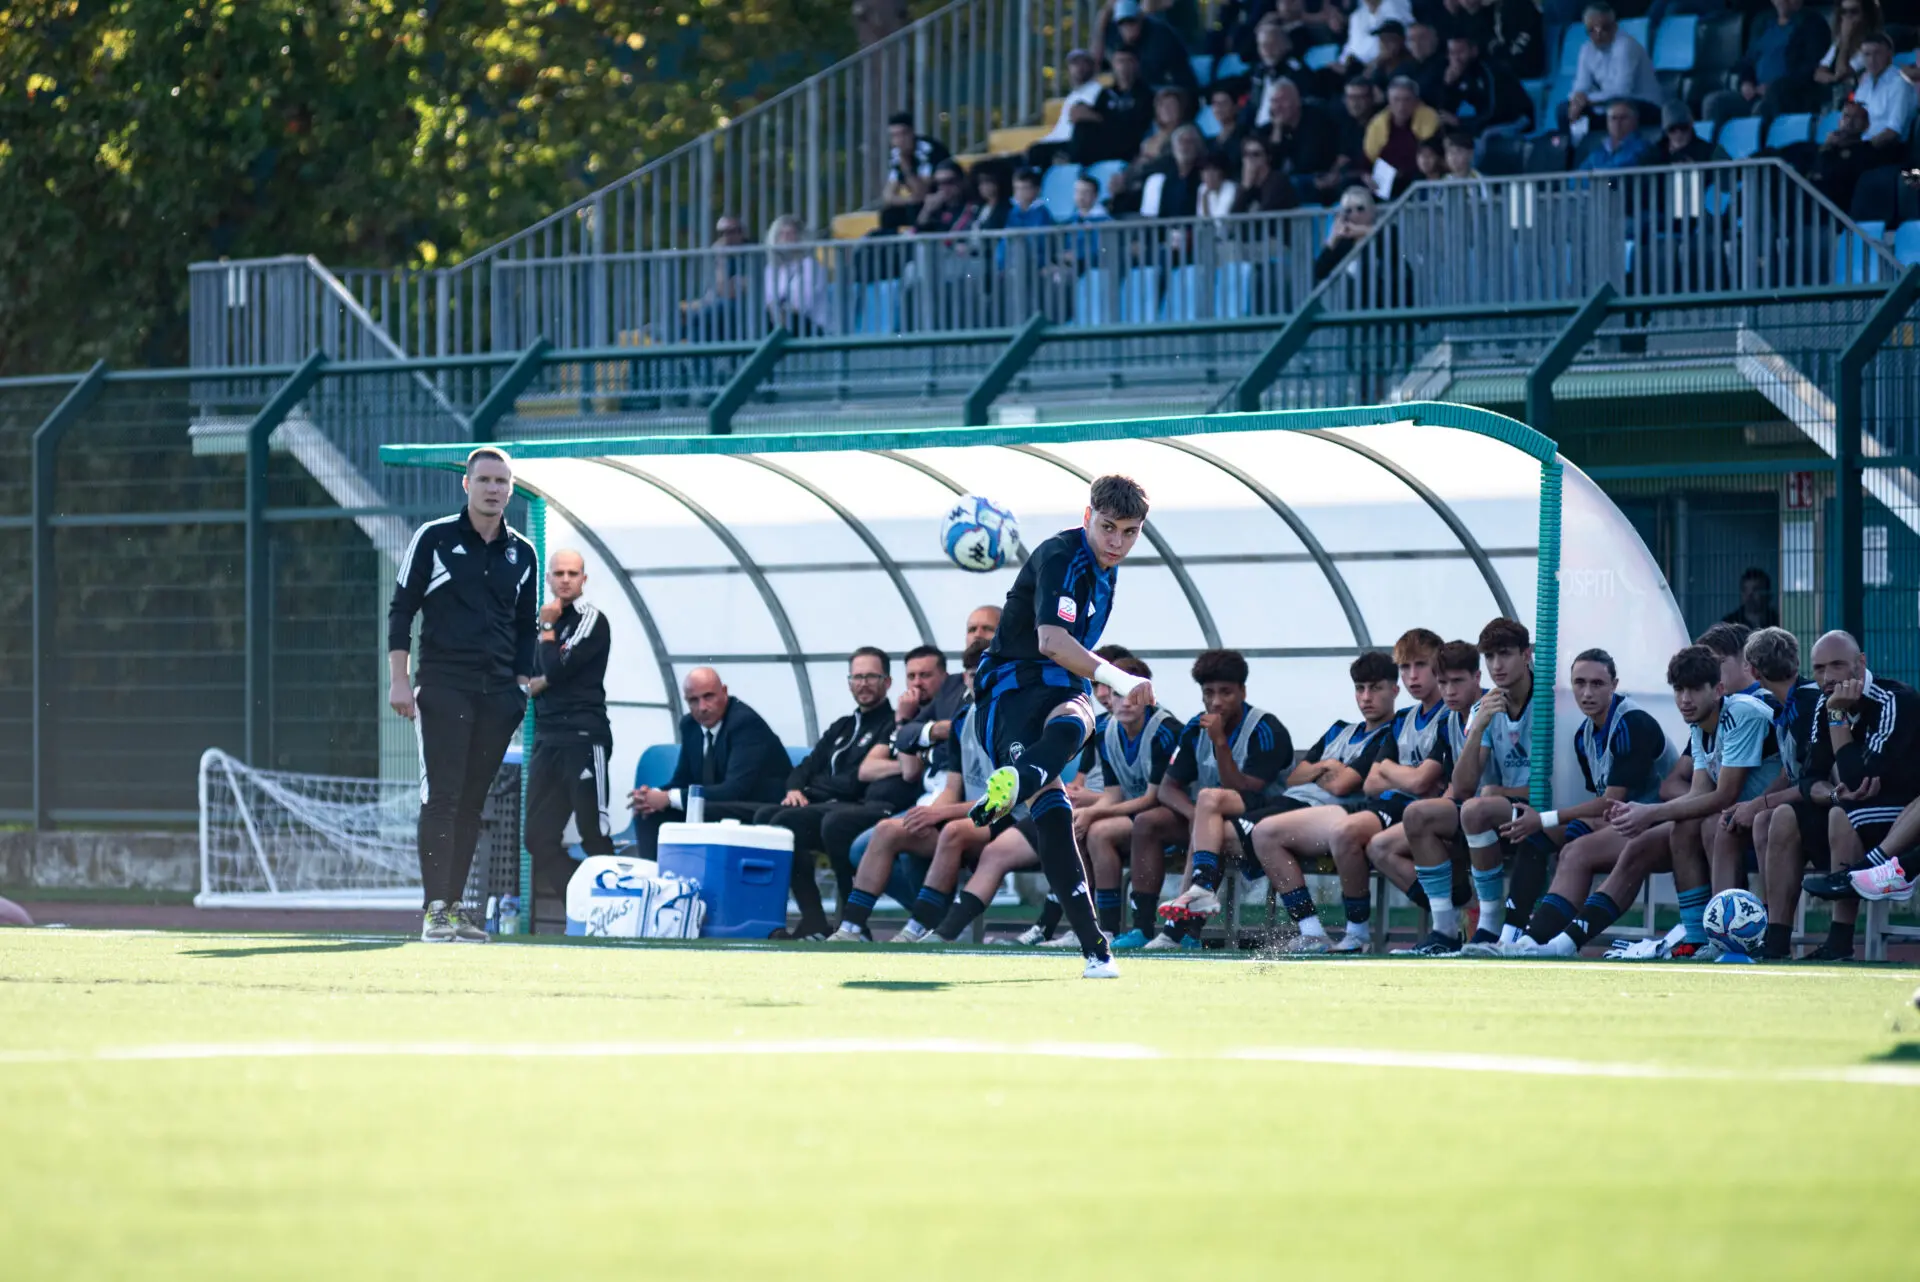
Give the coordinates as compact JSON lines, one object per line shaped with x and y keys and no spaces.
{"x":1299,"y":538}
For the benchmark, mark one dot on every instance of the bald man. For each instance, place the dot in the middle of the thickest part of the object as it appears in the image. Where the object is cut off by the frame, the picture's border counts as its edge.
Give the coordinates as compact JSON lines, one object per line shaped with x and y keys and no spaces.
{"x":725,"y":748}
{"x":923,"y":722}
{"x":572,"y":740}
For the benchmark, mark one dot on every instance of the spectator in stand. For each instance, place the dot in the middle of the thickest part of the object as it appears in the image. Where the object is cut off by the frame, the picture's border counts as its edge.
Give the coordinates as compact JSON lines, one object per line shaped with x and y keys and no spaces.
{"x":1300,"y":140}
{"x":1679,"y":143}
{"x":1084,"y":91}
{"x":1429,"y":65}
{"x":1509,"y":32}
{"x":1836,"y":165}
{"x":911,"y":161}
{"x":1083,"y":247}
{"x":1121,"y":24}
{"x":1114,"y":126}
{"x":1891,"y":192}
{"x":1845,"y":58}
{"x":945,"y":203}
{"x":1350,"y":226}
{"x":1622,"y":146}
{"x":1775,"y":75}
{"x":721,"y":313}
{"x":1350,"y":164}
{"x":1218,"y":193}
{"x":1459,"y":154}
{"x":1028,"y":210}
{"x":1362,"y":30}
{"x":1276,"y":62}
{"x":1172,"y":111}
{"x":1887,"y":94}
{"x":1395,"y":133}
{"x":1225,"y":112}
{"x":1171,"y":186}
{"x":794,"y":283}
{"x":1239,"y":20}
{"x":1477,"y":95}
{"x":990,"y":208}
{"x":1393,"y":59}
{"x":1611,"y":66}
{"x":1430,"y":158}
{"x":1262,"y":188}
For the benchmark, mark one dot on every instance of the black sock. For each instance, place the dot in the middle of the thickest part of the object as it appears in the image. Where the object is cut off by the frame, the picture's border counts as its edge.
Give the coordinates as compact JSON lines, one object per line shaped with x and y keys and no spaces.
{"x":930,"y":906}
{"x":806,"y":893}
{"x":1146,"y":913}
{"x":966,"y":907}
{"x":1299,"y":903}
{"x":1550,"y":917}
{"x":1060,"y":860}
{"x":1106,"y":905}
{"x":1206,"y":869}
{"x":1042,"y":762}
{"x":1779,"y":940}
{"x":1358,"y":908}
{"x":857,"y":909}
{"x":1596,"y":915}
{"x":1840,"y":936}
{"x":1417,"y":896}
{"x":1050,"y":911}
{"x":1528,"y":879}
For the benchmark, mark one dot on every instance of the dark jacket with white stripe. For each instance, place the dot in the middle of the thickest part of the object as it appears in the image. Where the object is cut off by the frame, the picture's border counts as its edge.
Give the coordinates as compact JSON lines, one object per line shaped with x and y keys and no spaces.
{"x":573,"y":707}
{"x":831,"y":772}
{"x":1885,"y":746}
{"x":477,"y":602}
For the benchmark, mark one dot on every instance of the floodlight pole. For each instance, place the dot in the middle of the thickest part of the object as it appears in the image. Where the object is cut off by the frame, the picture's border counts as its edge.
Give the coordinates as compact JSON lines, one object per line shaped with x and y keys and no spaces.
{"x":46,"y":445}
{"x":1849,"y":417}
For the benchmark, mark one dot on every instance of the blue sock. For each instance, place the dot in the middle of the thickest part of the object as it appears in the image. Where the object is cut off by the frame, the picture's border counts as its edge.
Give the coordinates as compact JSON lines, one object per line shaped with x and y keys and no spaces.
{"x":1106,"y":908}
{"x":859,"y":904}
{"x":1693,"y":907}
{"x":1490,"y":888}
{"x":1437,"y":881}
{"x":1299,"y":904}
{"x":930,"y":906}
{"x":1206,"y":869}
{"x":1358,"y":909}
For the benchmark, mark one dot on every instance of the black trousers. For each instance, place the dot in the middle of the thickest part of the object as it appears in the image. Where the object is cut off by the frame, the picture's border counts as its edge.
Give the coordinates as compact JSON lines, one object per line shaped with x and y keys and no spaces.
{"x":463,"y":737}
{"x":646,"y":828}
{"x":567,"y":779}
{"x":832,"y":826}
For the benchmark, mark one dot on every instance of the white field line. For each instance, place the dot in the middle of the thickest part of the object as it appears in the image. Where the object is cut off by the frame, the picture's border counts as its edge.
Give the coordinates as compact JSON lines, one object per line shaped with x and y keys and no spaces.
{"x":1349,"y":1057}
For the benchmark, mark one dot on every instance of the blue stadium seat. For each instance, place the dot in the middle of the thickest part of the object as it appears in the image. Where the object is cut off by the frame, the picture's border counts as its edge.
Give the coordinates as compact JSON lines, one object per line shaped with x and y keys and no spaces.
{"x":656,"y":765}
{"x":1854,"y":261}
{"x":880,"y":307}
{"x":1788,"y":128}
{"x":1202,"y":68}
{"x":1704,"y":128}
{"x":1641,"y":29}
{"x":1740,"y":138}
{"x":1182,"y":302}
{"x":1673,"y":44}
{"x":1104,"y":170}
{"x":1056,"y":190}
{"x":1828,"y":123}
{"x":1906,"y":243}
{"x":1090,"y":298}
{"x":1906,"y":59}
{"x":1209,"y":127}
{"x":1230,"y":64}
{"x":1572,"y":40}
{"x":797,"y":755}
{"x":1233,"y":290}
{"x":1140,"y":296}
{"x":1320,"y":57}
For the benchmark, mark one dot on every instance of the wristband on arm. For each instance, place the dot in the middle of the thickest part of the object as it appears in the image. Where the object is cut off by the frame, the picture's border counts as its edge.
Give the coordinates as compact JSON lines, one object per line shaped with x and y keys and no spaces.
{"x":1122,"y":683}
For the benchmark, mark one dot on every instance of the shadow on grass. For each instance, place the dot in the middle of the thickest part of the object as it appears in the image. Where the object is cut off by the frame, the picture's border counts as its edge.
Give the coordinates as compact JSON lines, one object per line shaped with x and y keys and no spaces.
{"x":305,"y":950}
{"x":929,"y":985}
{"x":1904,"y":1053}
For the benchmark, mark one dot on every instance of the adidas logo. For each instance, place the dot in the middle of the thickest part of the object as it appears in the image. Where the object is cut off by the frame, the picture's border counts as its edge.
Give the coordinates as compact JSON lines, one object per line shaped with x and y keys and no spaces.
{"x":587,"y":773}
{"x":459,"y":549}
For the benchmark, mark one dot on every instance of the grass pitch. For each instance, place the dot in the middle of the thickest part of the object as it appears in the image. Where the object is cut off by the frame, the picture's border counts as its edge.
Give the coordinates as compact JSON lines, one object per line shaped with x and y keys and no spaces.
{"x":246,"y":1107}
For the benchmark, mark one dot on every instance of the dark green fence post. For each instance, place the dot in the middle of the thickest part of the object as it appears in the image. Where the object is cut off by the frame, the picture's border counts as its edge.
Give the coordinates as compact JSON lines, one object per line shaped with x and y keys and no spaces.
{"x":259,"y":590}
{"x":1266,"y":367}
{"x":749,"y":376}
{"x":1005,"y":368}
{"x":46,"y":446}
{"x":1849,"y":415}
{"x":502,"y":395}
{"x":1553,"y":362}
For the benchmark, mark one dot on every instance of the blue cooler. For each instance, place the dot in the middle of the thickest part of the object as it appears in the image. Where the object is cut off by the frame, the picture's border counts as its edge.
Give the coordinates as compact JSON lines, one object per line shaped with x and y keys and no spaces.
{"x":742,"y":870}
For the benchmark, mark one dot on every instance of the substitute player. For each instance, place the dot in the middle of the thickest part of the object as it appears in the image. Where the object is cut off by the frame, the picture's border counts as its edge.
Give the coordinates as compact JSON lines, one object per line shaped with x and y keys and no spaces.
{"x":1032,"y":687}
{"x":572,"y":738}
{"x":470,"y":577}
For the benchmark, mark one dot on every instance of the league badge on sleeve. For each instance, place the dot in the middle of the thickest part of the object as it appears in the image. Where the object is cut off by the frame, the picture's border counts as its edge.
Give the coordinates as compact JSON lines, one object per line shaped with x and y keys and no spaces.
{"x":1067,"y":610}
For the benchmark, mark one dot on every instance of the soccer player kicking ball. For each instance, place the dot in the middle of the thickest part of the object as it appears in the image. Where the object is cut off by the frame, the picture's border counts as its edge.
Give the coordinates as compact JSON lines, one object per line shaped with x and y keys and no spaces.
{"x":1032,"y":687}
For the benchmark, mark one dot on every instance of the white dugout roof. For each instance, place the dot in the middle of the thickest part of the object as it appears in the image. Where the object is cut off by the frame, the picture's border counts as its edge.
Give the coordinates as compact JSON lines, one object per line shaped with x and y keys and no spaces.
{"x":1298,"y":538}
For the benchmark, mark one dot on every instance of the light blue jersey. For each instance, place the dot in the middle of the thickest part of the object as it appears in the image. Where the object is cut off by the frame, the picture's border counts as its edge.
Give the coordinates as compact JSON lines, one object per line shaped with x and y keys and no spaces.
{"x":1744,"y":738}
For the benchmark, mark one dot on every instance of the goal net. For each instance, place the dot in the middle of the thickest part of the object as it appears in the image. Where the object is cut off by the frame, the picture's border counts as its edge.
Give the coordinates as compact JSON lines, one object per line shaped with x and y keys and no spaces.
{"x":276,"y":839}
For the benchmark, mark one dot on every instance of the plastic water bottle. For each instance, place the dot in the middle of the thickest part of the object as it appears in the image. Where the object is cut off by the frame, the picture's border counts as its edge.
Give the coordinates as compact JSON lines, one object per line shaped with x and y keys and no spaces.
{"x":696,"y":804}
{"x":493,"y":914}
{"x":510,"y":915}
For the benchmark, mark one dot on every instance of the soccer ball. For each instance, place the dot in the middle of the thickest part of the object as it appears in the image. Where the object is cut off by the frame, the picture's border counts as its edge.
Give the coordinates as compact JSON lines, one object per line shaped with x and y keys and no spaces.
{"x":978,"y":534}
{"x":1736,"y":920}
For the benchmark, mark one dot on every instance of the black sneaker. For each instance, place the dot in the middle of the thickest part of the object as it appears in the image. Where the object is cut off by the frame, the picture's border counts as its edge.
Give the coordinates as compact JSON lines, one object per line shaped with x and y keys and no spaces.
{"x":1436,"y":945}
{"x":1830,"y":952}
{"x":1831,"y":885}
{"x":806,"y":932}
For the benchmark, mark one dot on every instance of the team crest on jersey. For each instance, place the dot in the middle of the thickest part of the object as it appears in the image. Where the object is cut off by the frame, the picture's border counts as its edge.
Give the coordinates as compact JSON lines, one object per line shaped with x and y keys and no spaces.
{"x":513,"y":554}
{"x":1014,"y":750}
{"x":1067,"y":611}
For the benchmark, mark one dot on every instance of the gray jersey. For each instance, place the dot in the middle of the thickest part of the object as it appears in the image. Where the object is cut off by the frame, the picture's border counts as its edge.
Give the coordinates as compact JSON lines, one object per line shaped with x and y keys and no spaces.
{"x":1346,"y":746}
{"x":1596,"y":748}
{"x":1134,"y":775}
{"x":1509,"y":746}
{"x":1417,"y":733}
{"x":1208,"y":770}
{"x":975,"y":762}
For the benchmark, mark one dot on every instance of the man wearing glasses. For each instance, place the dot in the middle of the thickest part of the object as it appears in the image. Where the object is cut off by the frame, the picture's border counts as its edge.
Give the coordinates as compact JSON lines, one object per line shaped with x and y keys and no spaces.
{"x":837,"y":782}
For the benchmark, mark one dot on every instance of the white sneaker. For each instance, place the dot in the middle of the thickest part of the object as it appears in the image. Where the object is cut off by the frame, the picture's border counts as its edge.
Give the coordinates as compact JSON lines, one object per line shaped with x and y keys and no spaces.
{"x":1561,"y":945}
{"x":912,"y":933}
{"x":1065,"y":939}
{"x":1161,"y":944}
{"x":1196,"y":899}
{"x":1031,"y":937}
{"x":1885,"y":881}
{"x":848,"y":934}
{"x":1100,"y":968}
{"x":1711,"y":951}
{"x":1525,"y":946}
{"x":1351,"y":943}
{"x":1307,"y":945}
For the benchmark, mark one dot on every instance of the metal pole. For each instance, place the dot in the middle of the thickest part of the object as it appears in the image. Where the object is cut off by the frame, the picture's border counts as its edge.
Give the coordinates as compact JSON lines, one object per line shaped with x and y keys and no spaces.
{"x":46,"y":444}
{"x":741,"y":386}
{"x":1266,"y":367}
{"x":1578,"y":332}
{"x":259,"y":627}
{"x":1849,"y":414}
{"x":502,"y":395}
{"x":537,"y":535}
{"x":1003,"y":371}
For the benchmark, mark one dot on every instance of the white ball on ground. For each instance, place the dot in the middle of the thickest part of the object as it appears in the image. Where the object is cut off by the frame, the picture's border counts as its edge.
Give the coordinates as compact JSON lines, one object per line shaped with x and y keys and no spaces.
{"x":1736,"y":920}
{"x":12,"y":914}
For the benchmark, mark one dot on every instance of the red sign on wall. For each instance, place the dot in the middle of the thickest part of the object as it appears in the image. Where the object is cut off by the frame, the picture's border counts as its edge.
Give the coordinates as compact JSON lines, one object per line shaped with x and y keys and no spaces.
{"x":1799,"y":491}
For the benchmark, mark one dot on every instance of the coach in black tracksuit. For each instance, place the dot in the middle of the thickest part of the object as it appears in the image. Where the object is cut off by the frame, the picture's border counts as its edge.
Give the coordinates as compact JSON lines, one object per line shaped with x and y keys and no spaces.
{"x":572,"y":738}
{"x":470,"y":577}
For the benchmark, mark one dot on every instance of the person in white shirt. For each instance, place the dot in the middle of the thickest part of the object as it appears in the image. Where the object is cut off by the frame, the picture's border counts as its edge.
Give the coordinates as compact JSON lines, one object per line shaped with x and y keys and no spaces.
{"x":1612,"y":65}
{"x":1362,"y":28}
{"x":794,"y":283}
{"x":1085,"y":92}
{"x":1217,"y":191}
{"x":1887,"y":95}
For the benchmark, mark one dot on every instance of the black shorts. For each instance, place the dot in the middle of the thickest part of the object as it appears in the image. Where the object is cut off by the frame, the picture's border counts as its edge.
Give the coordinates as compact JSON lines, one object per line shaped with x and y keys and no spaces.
{"x":1815,"y":848}
{"x":1872,"y":822}
{"x":1016,"y":718}
{"x":1267,"y":809}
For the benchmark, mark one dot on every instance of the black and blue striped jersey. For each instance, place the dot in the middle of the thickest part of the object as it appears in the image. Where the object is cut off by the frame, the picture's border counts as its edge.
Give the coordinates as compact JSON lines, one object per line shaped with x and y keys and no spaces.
{"x":1061,"y":586}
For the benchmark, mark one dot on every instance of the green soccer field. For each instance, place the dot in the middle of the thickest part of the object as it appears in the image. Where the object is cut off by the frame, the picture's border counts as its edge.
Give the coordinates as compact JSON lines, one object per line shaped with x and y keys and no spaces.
{"x":252,"y":1107}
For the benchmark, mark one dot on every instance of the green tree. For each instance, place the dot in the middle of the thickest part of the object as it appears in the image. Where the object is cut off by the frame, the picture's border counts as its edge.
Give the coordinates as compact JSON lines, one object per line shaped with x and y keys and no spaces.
{"x":138,"y":136}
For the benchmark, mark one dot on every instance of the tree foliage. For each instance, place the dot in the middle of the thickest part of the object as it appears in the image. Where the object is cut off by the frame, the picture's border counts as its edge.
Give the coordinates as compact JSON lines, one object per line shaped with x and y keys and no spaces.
{"x":138,"y":136}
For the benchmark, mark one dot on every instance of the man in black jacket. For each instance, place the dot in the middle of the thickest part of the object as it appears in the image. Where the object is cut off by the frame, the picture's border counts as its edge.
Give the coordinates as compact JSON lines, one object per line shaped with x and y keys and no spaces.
{"x":1476,"y":94}
{"x":470,"y":577}
{"x":572,"y":739}
{"x":925,"y":722}
{"x":837,"y":780}
{"x":725,"y":748}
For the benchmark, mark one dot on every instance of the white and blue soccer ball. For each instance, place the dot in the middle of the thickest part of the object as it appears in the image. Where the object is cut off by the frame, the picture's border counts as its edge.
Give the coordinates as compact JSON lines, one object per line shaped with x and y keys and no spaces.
{"x":1736,"y":920}
{"x":978,"y":534}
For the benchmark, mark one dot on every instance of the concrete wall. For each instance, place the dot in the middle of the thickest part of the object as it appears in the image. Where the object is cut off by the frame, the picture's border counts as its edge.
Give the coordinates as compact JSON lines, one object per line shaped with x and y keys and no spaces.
{"x":101,"y":860}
